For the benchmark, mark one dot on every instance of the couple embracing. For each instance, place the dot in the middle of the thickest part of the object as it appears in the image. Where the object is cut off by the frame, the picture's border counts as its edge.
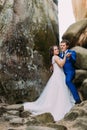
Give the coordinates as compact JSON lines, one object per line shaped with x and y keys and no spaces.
{"x":59,"y":94}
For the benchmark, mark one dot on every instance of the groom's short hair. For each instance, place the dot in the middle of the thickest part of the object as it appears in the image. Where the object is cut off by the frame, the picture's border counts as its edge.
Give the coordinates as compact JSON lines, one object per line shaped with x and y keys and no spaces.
{"x":66,"y":41}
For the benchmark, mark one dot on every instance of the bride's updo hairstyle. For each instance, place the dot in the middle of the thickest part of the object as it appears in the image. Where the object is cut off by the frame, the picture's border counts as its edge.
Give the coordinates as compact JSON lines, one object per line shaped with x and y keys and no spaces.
{"x":51,"y":51}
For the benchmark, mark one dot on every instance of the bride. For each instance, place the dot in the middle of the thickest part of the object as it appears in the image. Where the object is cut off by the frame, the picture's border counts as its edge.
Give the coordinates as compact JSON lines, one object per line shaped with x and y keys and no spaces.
{"x":56,"y":98}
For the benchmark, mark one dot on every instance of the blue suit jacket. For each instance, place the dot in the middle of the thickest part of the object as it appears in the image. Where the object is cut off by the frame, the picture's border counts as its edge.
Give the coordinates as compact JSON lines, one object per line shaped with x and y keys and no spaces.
{"x":69,"y":64}
{"x":69,"y":71}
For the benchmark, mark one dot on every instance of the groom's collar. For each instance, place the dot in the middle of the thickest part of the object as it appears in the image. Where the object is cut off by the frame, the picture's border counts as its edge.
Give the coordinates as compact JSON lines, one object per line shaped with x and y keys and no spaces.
{"x":66,"y":51}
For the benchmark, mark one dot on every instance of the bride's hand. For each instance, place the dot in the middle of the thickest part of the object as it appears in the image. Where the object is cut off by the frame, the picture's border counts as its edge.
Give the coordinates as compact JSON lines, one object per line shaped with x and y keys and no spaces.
{"x":51,"y":68}
{"x":68,"y":54}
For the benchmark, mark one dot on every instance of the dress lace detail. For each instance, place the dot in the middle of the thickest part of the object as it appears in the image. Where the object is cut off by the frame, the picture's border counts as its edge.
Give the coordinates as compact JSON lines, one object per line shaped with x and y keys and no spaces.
{"x":56,"y":98}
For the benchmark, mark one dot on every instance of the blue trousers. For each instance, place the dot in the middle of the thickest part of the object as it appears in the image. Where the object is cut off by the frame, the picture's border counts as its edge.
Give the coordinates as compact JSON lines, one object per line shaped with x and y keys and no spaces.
{"x":69,"y":79}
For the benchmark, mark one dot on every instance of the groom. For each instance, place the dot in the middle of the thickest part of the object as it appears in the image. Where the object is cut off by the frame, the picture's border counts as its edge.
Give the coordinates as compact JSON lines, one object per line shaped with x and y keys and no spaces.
{"x":69,"y":69}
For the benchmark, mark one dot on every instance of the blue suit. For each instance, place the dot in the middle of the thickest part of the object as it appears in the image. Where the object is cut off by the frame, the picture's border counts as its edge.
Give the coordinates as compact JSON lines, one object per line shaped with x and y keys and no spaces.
{"x":69,"y":71}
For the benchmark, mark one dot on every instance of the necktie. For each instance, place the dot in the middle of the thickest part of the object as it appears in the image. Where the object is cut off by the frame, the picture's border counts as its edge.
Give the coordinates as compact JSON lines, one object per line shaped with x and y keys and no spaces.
{"x":63,"y":54}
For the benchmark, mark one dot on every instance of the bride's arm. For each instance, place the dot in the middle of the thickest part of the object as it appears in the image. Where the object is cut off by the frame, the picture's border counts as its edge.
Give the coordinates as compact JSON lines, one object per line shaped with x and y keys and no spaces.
{"x":59,"y":61}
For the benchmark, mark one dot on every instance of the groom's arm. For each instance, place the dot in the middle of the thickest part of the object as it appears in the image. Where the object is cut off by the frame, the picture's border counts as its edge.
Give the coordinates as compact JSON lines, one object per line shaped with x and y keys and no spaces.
{"x":73,"y":56}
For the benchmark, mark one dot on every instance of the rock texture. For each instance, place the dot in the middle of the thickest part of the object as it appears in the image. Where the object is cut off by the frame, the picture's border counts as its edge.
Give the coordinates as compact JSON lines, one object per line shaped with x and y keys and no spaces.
{"x":13,"y":117}
{"x":81,"y":56}
{"x":79,"y":9}
{"x":77,"y":34}
{"x":27,"y":30}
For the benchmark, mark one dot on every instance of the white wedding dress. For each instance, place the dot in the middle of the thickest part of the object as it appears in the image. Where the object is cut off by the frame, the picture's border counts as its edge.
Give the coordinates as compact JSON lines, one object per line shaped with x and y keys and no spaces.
{"x":55,"y":98}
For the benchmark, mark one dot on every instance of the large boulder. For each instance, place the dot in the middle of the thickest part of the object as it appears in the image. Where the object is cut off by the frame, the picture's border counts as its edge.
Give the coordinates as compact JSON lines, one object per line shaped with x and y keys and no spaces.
{"x":79,"y":9}
{"x":83,"y":89}
{"x":80,"y":76}
{"x":27,"y":30}
{"x":81,"y":62}
{"x":77,"y":34}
